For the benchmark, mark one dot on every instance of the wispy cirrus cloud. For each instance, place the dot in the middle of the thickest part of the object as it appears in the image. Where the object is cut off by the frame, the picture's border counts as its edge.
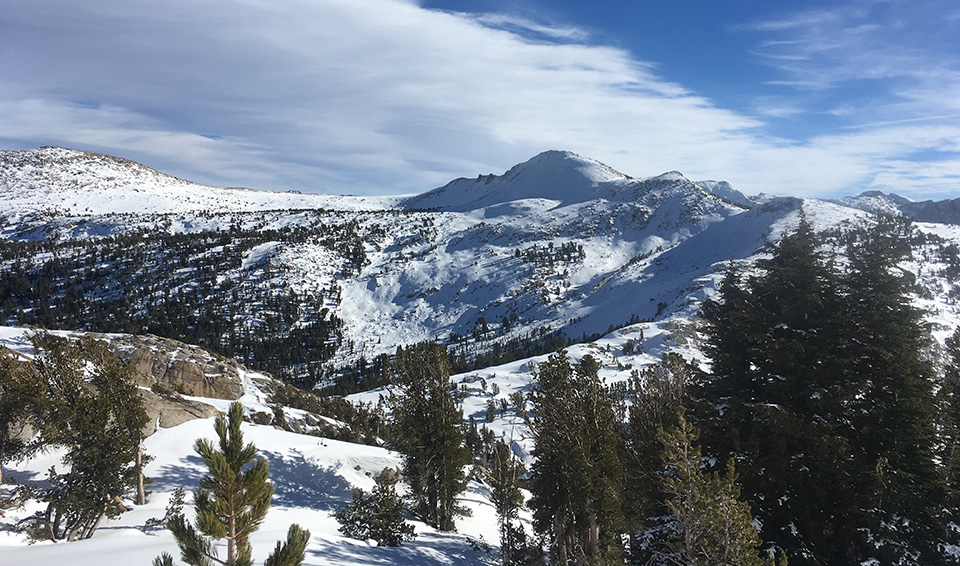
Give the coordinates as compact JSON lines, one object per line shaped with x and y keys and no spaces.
{"x":887,"y":74}
{"x":521,"y":24}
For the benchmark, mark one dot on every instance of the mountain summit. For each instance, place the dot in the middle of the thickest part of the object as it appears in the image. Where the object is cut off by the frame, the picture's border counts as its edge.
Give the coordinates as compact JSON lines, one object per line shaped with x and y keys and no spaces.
{"x":556,"y":175}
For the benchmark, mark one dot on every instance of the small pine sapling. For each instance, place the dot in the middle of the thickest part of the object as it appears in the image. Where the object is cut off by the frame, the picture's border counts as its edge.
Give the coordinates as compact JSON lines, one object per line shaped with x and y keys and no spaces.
{"x":231,"y":503}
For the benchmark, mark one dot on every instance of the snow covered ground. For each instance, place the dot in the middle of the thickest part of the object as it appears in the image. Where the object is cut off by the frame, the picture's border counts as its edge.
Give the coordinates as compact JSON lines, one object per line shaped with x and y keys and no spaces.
{"x":313,"y":478}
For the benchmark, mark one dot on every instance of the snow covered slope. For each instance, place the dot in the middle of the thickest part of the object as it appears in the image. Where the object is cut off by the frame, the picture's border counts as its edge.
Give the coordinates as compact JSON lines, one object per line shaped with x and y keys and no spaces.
{"x":724,"y":190}
{"x":313,"y":478}
{"x":560,"y":243}
{"x":68,"y":182}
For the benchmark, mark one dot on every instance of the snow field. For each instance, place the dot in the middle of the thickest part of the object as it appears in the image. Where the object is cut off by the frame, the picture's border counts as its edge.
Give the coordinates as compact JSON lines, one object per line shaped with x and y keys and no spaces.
{"x":313,"y":477}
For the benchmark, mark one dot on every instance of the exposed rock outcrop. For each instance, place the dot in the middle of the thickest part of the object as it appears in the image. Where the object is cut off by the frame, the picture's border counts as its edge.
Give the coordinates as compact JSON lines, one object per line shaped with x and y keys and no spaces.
{"x":168,"y":411}
{"x":180,"y":367}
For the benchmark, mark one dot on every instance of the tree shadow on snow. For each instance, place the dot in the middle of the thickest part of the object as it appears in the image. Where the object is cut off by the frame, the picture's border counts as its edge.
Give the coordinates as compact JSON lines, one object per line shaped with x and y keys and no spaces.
{"x":427,"y":549}
{"x":172,"y":476}
{"x":297,"y":481}
{"x":300,"y":482}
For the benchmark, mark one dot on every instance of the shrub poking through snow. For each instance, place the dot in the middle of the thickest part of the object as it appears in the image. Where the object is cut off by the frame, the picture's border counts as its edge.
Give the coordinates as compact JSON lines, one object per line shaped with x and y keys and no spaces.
{"x":377,"y":515}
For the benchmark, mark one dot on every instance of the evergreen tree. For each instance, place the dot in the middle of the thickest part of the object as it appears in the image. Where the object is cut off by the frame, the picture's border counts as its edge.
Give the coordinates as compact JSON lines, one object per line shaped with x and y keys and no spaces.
{"x":708,"y":524}
{"x":116,"y":386}
{"x":949,"y":422}
{"x":776,"y":397}
{"x":20,"y":392}
{"x":378,"y":515}
{"x":820,"y":390}
{"x":948,"y":399}
{"x":93,"y":409}
{"x":575,"y":480}
{"x":231,"y":503}
{"x":894,"y":413}
{"x":428,"y":432}
{"x":655,"y":397}
{"x":503,"y":478}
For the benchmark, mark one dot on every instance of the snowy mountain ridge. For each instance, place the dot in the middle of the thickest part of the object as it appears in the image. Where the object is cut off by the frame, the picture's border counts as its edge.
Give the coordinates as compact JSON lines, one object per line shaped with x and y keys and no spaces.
{"x":560,"y":176}
{"x":67,"y":182}
{"x":943,"y":211}
{"x":558,"y":244}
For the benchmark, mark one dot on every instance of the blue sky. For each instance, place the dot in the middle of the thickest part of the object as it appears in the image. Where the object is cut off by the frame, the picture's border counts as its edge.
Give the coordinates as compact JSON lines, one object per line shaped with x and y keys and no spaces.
{"x":399,"y":96}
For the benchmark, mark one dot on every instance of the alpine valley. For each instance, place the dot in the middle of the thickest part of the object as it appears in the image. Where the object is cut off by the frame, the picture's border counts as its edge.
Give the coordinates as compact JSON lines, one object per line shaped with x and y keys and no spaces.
{"x":319,"y":291}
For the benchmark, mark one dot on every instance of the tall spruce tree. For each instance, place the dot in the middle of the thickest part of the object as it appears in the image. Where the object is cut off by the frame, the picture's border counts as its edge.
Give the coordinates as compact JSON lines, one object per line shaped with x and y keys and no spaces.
{"x":231,"y":503}
{"x":428,"y":432}
{"x":775,"y":398}
{"x":575,"y":480}
{"x":894,"y":413}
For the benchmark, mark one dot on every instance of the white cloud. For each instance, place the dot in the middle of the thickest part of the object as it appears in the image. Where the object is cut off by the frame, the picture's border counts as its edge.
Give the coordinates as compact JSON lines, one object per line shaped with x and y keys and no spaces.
{"x":381,"y":96}
{"x":795,"y":21}
{"x":513,"y":22}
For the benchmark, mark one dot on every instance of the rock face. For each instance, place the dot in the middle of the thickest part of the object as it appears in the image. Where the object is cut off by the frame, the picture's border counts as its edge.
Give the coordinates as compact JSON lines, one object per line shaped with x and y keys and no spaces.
{"x":168,"y":411}
{"x":186,"y":369}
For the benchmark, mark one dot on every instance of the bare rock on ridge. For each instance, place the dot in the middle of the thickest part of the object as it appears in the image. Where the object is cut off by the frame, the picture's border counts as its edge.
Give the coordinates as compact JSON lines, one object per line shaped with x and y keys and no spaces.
{"x":180,"y":367}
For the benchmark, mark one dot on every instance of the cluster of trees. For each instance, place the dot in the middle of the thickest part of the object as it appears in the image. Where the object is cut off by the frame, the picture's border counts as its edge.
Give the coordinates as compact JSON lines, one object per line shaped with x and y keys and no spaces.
{"x":550,"y":255}
{"x":822,"y":391}
{"x":427,"y":429}
{"x":79,"y":396}
{"x":823,"y":432}
{"x":174,"y":285}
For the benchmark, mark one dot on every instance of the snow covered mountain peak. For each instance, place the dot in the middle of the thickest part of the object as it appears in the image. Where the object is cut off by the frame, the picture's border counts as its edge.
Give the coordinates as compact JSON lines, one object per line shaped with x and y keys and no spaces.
{"x":562,"y":164}
{"x":669,"y":176}
{"x":562,"y":177}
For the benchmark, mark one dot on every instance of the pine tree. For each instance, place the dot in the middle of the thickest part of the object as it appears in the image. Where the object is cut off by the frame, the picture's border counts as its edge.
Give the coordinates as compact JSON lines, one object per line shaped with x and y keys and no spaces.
{"x":575,"y":480}
{"x":20,"y":392}
{"x":776,"y":397}
{"x":231,"y":503}
{"x":378,"y":515}
{"x":428,"y":432}
{"x":949,"y":425}
{"x":655,"y":397}
{"x":895,"y":410}
{"x":709,"y":525}
{"x":820,"y":390}
{"x":948,"y":400}
{"x":116,"y":386}
{"x":93,"y":409}
{"x":503,"y":478}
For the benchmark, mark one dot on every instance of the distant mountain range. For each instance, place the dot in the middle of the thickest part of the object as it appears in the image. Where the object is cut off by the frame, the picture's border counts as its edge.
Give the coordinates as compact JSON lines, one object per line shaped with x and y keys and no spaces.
{"x":560,"y":246}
